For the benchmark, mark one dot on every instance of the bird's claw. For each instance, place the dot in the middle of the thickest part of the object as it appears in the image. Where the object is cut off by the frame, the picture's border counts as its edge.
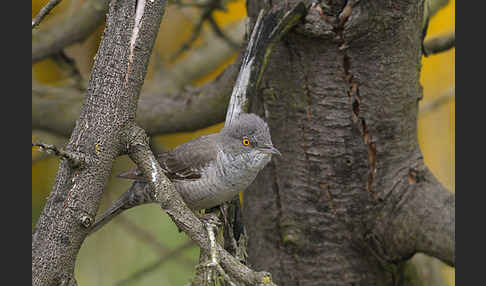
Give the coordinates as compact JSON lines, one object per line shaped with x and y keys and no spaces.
{"x":211,"y":222}
{"x":211,"y":219}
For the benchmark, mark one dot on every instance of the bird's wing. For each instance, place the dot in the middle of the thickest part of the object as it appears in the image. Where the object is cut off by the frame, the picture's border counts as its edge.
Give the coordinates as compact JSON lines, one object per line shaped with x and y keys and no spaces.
{"x":186,"y":161}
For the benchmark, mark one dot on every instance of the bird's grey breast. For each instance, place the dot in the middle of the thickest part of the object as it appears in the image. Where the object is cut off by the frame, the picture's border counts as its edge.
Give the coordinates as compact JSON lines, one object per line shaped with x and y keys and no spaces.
{"x":222,"y":178}
{"x":238,"y":171}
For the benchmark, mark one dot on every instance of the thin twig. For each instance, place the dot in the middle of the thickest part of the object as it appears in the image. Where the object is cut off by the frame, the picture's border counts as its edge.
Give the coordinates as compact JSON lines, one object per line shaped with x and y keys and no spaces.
{"x":141,"y":234}
{"x":43,"y":12}
{"x":151,"y":267}
{"x":203,"y":59}
{"x":146,"y":236}
{"x":149,"y":238}
{"x":217,"y":30}
{"x":47,"y":137}
{"x":195,"y":34}
{"x":439,"y":44}
{"x":74,"y":159}
{"x":69,"y":69}
{"x":206,"y":15}
{"x":437,"y":102}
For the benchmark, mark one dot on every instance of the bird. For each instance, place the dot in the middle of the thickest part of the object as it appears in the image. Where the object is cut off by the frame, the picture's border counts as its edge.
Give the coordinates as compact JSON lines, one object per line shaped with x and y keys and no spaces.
{"x":206,"y":171}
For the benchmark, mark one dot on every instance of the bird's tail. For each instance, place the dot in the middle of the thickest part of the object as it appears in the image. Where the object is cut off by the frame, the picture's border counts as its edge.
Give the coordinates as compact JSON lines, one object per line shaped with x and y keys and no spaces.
{"x":138,"y":194}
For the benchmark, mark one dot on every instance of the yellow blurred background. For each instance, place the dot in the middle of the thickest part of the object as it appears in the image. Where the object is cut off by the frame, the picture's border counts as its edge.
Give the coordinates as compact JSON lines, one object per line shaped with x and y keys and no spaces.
{"x":115,"y":258}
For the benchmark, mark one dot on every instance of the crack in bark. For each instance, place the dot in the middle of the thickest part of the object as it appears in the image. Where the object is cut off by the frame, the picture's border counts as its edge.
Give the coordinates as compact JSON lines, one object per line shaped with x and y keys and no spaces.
{"x":139,"y":11}
{"x":353,"y":94}
{"x":330,"y":197}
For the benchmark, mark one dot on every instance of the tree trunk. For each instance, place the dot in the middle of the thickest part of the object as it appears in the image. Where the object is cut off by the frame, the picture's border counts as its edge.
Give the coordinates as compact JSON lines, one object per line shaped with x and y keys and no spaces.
{"x":111,"y":103}
{"x":351,"y":198}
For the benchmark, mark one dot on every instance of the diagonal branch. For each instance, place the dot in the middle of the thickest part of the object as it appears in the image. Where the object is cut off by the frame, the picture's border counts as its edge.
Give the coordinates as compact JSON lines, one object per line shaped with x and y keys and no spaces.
{"x":206,"y":15}
{"x":433,"y":208}
{"x":153,"y":266}
{"x":220,"y":33}
{"x":433,"y":104}
{"x":149,"y":238}
{"x":43,"y":12}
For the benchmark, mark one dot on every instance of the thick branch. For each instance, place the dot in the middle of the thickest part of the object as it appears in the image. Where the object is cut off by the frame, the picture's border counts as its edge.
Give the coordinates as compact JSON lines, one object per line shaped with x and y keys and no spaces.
{"x":418,"y":217}
{"x":70,"y":30}
{"x":56,"y":109}
{"x":434,"y":211}
{"x":439,"y":44}
{"x":433,"y":6}
{"x":157,"y":112}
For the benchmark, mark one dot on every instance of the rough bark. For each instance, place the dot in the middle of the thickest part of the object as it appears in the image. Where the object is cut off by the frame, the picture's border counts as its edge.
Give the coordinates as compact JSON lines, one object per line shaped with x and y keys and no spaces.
{"x":350,"y":199}
{"x":111,"y":102}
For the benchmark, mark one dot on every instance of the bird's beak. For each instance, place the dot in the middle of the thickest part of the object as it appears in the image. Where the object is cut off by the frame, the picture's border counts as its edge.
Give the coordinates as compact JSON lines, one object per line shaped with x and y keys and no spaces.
{"x":269,"y":149}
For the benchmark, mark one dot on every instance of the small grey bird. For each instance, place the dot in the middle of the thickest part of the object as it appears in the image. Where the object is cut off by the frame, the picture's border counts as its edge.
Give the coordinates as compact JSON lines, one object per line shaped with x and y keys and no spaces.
{"x":208,"y":170}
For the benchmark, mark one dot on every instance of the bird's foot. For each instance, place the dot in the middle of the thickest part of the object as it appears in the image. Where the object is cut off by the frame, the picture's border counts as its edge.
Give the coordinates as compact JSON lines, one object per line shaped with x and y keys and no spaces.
{"x":210,"y":218}
{"x":211,"y":222}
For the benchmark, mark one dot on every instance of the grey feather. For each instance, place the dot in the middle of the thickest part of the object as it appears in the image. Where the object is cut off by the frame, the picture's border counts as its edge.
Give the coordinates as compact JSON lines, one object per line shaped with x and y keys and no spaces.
{"x":186,"y":161}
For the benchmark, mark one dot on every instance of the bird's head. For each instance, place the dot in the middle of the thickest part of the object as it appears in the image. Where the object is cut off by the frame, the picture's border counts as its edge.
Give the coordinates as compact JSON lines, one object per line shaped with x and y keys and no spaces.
{"x":249,"y":134}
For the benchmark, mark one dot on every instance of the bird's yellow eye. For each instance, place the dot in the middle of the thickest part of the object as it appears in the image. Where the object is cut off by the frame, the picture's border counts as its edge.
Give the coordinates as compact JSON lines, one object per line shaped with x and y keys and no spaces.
{"x":246,"y":141}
